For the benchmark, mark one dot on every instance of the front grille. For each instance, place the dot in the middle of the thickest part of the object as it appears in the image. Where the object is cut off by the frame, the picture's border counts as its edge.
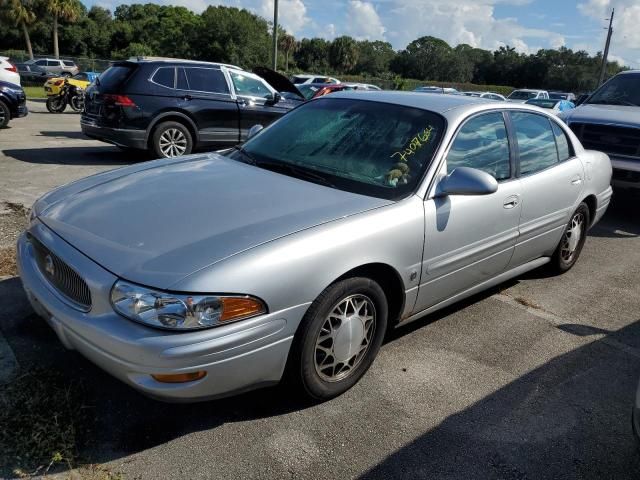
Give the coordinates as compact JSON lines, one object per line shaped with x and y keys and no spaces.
{"x":608,"y":138}
{"x":61,"y":276}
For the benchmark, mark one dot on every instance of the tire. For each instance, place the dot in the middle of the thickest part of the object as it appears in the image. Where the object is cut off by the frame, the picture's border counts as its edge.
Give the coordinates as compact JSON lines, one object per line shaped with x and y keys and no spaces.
{"x":171,"y":139}
{"x":5,"y":115}
{"x":570,"y":246}
{"x":77,"y":103}
{"x":56,"y":104}
{"x":330,"y":354}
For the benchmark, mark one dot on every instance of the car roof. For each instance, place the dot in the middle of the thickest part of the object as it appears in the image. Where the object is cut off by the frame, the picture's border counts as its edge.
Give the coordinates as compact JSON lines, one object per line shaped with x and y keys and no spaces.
{"x":434,"y":103}
{"x":146,"y":59}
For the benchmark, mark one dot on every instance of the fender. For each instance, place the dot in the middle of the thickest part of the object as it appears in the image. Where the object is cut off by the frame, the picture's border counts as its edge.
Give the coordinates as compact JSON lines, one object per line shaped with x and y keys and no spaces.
{"x":172,"y":113}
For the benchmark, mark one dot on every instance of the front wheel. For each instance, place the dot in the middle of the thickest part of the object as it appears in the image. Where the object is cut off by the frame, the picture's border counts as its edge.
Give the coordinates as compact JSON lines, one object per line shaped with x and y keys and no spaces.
{"x":5,"y":114}
{"x":338,"y":338}
{"x":572,"y":241}
{"x":56,"y":104}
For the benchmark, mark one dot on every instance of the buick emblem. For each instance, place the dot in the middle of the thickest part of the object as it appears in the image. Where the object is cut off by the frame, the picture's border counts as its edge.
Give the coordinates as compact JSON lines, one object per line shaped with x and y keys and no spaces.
{"x":48,"y":266}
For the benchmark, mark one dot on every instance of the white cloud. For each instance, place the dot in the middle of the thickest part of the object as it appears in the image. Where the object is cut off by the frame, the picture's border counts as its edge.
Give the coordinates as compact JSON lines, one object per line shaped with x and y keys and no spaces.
{"x":292,"y":14}
{"x":363,"y":21}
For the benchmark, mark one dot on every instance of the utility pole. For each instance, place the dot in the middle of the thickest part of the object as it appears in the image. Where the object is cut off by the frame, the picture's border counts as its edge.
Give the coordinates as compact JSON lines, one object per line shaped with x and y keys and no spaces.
{"x":603,"y":69}
{"x":275,"y":35}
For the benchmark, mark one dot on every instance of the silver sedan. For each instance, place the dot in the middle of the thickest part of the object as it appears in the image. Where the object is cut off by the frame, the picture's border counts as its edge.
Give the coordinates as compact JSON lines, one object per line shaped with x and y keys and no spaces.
{"x":291,"y":256}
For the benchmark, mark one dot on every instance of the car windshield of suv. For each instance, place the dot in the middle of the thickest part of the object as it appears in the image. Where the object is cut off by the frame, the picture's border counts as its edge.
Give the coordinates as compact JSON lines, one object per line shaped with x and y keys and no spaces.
{"x":365,"y":147}
{"x":521,"y":95}
{"x":620,"y":90}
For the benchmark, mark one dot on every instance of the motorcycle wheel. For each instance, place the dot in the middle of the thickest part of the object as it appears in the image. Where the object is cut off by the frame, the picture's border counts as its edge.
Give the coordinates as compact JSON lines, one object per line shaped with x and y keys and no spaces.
{"x":77,"y":103}
{"x":56,"y":104}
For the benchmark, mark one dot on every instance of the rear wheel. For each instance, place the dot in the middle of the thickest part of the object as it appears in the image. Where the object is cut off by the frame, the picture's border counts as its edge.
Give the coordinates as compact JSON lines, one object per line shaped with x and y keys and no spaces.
{"x":572,"y":241}
{"x":5,"y":114}
{"x":56,"y":104}
{"x":339,"y":337}
{"x":171,"y":139}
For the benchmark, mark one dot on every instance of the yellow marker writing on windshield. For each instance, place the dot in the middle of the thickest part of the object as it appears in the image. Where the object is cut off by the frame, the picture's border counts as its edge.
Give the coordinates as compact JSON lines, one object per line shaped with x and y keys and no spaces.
{"x":414,"y":144}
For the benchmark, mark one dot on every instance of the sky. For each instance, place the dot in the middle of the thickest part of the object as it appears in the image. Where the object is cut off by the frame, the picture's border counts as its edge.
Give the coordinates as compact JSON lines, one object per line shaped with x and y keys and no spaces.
{"x":527,"y":25}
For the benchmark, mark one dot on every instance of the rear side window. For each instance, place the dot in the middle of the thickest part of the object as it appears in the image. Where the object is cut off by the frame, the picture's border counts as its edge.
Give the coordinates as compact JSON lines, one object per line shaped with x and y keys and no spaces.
{"x":536,"y":142}
{"x":562,"y":142}
{"x":482,"y":143}
{"x":69,"y":63}
{"x":114,"y":76}
{"x":206,"y":80}
{"x":181,"y":81}
{"x":165,"y":76}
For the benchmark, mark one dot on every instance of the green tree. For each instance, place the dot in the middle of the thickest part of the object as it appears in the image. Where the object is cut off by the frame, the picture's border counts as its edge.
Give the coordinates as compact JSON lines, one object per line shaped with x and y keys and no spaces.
{"x":343,"y":54}
{"x":68,"y":10}
{"x":21,"y":13}
{"x":374,"y":58}
{"x":427,"y":58}
{"x":312,"y":55}
{"x":287,"y":44}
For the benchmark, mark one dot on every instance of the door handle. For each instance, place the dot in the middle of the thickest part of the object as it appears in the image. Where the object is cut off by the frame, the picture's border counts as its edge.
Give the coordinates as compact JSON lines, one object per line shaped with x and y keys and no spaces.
{"x":187,"y":97}
{"x":511,"y":202}
{"x":576,"y":181}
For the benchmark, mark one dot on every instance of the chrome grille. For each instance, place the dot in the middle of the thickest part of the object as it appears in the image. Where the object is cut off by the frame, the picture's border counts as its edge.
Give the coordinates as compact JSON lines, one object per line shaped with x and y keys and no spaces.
{"x":61,"y":276}
{"x":608,"y":138}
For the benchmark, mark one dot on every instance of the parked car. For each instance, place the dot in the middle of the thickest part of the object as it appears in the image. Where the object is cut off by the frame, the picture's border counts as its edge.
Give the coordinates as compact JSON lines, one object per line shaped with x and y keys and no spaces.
{"x":81,"y":80}
{"x":13,"y":102}
{"x":635,"y":417}
{"x":33,"y":73}
{"x":303,"y":79}
{"x":489,"y":95}
{"x":524,"y":94}
{"x":562,"y":96}
{"x":364,"y":86}
{"x":207,"y":275}
{"x":171,"y":107}
{"x":8,"y":72}
{"x":65,"y":68}
{"x":556,"y":106}
{"x":581,"y":98}
{"x":609,"y":121}
{"x":315,"y":90}
{"x":430,"y":89}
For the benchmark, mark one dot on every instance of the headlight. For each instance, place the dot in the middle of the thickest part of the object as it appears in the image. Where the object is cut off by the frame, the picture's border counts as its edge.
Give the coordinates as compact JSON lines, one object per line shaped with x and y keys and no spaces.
{"x":181,"y":311}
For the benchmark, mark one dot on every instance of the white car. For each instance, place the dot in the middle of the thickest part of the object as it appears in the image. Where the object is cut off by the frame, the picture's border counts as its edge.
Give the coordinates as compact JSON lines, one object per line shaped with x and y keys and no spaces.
{"x":303,"y":79}
{"x":8,"y":72}
{"x":523,"y":94}
{"x":363,"y":86}
{"x":489,"y":95}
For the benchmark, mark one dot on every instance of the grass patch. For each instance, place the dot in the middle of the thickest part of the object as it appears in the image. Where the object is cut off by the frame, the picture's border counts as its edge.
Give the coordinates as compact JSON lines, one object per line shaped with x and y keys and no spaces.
{"x":34,"y":92}
{"x":43,"y":416}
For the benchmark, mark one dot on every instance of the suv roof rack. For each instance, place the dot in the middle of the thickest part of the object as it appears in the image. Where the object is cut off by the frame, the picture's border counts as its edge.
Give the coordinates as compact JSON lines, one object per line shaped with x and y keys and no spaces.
{"x":143,"y":58}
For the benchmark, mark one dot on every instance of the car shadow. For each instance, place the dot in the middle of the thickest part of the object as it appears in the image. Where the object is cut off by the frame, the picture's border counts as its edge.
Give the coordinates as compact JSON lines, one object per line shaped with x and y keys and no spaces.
{"x":621,"y":218}
{"x":62,"y":134}
{"x":106,"y":155}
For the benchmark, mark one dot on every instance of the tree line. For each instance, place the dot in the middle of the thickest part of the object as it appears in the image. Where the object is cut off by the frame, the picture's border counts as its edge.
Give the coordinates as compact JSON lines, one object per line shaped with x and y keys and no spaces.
{"x":237,"y":36}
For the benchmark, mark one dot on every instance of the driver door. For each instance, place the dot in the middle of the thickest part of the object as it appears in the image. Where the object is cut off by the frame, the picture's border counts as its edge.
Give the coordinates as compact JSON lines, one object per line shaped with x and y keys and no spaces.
{"x":470,"y":239}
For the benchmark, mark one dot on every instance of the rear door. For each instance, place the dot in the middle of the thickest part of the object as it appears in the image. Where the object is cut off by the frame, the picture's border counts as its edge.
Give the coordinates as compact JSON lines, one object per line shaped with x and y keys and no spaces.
{"x":253,"y":95}
{"x":204,"y":92}
{"x":552,"y":179}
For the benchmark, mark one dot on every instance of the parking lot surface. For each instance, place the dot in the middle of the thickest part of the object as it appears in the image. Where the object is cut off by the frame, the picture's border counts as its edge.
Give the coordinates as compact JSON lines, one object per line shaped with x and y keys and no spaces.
{"x":532,"y":380}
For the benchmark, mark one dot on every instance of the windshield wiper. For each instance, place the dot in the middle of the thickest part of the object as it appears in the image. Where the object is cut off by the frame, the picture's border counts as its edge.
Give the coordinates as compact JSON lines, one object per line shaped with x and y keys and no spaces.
{"x":297,"y":172}
{"x":250,"y":159}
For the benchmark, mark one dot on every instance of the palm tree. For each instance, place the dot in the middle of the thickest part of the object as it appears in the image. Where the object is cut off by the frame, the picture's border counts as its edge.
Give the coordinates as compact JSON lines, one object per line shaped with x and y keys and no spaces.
{"x":68,"y":10}
{"x":20,"y":12}
{"x":287,"y":45}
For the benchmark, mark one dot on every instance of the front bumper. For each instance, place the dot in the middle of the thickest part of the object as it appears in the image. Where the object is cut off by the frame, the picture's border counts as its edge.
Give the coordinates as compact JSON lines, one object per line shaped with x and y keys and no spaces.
{"x":626,"y":173}
{"x":21,"y":111}
{"x":123,"y":137}
{"x":237,"y":357}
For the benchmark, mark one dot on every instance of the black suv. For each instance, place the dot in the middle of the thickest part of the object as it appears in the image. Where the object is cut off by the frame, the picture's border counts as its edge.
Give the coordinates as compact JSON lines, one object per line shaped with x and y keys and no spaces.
{"x":172,"y":107}
{"x":13,"y":103}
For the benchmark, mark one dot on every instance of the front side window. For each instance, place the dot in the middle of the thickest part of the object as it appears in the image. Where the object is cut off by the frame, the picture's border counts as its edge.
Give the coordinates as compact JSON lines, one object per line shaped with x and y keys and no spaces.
{"x":365,"y":147}
{"x":482,"y":143}
{"x":206,"y":80}
{"x":248,"y":86}
{"x":536,"y":142}
{"x":165,"y":76}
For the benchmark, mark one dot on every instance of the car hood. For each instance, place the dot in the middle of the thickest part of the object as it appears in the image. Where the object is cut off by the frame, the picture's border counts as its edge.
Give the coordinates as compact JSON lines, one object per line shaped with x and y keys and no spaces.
{"x":613,"y":114}
{"x":277,"y":81}
{"x":155,"y":224}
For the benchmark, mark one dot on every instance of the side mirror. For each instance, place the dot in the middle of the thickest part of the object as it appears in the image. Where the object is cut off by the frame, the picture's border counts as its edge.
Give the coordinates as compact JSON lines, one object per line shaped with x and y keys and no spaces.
{"x":273,"y":99}
{"x":467,"y":181}
{"x":253,"y":131}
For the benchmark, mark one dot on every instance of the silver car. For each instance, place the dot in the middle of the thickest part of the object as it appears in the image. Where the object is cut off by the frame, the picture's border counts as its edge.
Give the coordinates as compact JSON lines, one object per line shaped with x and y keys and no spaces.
{"x":202,"y":276}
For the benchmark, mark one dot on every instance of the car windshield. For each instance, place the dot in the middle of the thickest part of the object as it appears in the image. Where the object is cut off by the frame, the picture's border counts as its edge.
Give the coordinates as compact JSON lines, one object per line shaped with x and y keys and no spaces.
{"x":365,"y":147}
{"x":521,"y":95}
{"x":114,"y":76}
{"x":622,"y":89}
{"x":559,"y":96}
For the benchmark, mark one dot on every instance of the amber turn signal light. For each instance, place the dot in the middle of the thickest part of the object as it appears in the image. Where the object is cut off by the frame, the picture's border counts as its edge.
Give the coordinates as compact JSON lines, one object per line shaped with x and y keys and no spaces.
{"x":238,"y":307}
{"x":179,"y":377}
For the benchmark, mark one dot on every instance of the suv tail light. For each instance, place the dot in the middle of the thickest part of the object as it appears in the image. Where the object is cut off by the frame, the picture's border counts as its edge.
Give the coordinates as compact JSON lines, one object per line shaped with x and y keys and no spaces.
{"x":119,"y":100}
{"x":12,"y":68}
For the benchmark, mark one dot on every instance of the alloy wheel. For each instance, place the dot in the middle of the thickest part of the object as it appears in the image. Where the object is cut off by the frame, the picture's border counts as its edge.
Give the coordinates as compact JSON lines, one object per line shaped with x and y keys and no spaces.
{"x":173,"y":142}
{"x":345,"y":337}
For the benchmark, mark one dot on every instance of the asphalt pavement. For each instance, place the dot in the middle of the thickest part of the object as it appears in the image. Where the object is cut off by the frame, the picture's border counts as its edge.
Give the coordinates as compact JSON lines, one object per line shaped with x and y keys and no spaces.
{"x":531,"y":380}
